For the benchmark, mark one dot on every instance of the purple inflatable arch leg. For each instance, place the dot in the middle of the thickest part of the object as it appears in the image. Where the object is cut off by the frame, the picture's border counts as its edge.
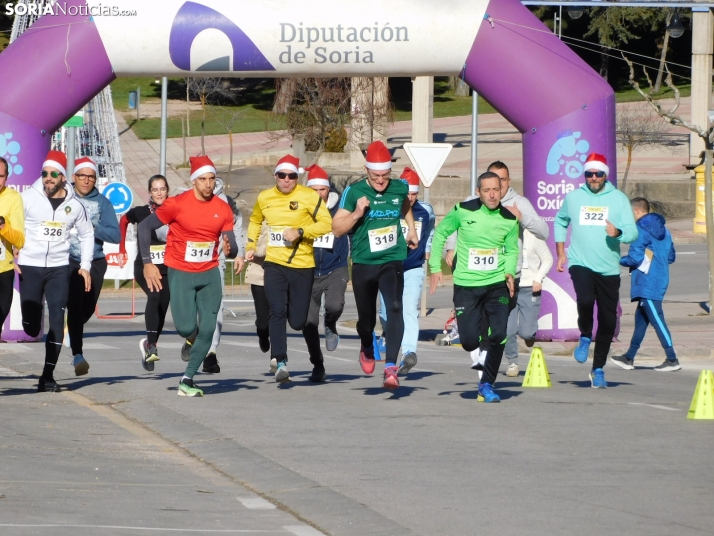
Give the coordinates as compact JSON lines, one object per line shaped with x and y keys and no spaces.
{"x":56,"y":68}
{"x":564,"y":109}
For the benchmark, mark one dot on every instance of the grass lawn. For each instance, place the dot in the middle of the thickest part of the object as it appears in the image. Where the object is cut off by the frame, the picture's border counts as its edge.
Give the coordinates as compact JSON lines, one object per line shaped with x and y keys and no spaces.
{"x":254,"y":104}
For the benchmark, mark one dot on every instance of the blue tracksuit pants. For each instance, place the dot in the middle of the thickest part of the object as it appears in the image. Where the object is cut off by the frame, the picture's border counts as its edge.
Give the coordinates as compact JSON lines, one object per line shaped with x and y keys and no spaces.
{"x":650,"y":312}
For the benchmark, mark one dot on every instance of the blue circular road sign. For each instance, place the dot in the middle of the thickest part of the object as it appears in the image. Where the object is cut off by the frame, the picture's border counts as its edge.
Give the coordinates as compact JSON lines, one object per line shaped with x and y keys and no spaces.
{"x":120,"y":196}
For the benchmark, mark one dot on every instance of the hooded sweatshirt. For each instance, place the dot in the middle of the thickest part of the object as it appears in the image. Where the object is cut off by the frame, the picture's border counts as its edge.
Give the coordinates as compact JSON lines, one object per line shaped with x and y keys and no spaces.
{"x":650,"y":282}
{"x":587,"y":214}
{"x":104,"y":220}
{"x":47,"y":230}
{"x":329,"y":259}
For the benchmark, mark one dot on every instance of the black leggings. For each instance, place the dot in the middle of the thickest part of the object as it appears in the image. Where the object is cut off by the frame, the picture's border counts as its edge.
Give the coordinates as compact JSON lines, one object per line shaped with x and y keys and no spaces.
{"x":157,"y":304}
{"x":81,"y":304}
{"x":262,"y":310}
{"x":7,"y":281}
{"x":604,"y":290}
{"x":53,"y":284}
{"x":288,"y":291}
{"x":368,"y":280}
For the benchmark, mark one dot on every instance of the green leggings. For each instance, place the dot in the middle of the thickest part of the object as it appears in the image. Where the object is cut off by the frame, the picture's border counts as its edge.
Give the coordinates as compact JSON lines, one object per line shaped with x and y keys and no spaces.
{"x":195,"y":295}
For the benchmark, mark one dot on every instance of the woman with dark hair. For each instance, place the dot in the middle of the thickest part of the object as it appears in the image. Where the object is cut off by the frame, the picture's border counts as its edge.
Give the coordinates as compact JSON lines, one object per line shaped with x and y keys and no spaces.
{"x":157,"y":303}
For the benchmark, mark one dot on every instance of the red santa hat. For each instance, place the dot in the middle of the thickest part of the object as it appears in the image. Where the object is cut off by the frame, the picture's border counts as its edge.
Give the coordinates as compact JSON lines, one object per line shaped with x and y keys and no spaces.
{"x":289,"y":163}
{"x":378,"y":157}
{"x":201,"y":165}
{"x":316,"y":176}
{"x":412,"y":179}
{"x":597,"y":161}
{"x":85,"y":162}
{"x":57,"y":160}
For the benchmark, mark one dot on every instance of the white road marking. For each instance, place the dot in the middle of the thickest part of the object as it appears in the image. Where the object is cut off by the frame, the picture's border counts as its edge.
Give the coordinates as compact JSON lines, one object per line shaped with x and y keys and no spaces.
{"x":18,"y":348}
{"x":155,"y":529}
{"x":303,"y":530}
{"x":686,"y":253}
{"x":97,"y":346}
{"x":256,"y":503}
{"x":656,"y":406}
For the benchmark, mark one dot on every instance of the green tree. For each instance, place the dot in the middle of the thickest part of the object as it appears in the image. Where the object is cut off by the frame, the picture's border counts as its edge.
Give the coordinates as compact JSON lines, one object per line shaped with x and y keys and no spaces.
{"x":615,"y":26}
{"x":5,"y":25}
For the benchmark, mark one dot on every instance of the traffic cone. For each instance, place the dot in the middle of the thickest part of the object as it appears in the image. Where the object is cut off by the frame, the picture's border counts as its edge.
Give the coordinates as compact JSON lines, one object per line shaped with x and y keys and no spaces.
{"x":537,"y":371}
{"x":703,"y":402}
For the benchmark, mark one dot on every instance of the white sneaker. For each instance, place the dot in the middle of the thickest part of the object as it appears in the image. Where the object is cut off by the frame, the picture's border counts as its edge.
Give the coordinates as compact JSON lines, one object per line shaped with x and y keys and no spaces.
{"x":512,"y":370}
{"x":273,"y":365}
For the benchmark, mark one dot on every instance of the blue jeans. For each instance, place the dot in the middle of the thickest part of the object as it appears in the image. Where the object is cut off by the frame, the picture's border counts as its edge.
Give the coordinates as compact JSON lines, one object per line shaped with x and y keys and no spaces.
{"x":650,"y":312}
{"x":413,"y":282}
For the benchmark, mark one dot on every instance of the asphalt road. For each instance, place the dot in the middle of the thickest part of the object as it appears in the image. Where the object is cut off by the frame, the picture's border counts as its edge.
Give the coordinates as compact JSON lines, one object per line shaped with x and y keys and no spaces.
{"x":121,"y":453}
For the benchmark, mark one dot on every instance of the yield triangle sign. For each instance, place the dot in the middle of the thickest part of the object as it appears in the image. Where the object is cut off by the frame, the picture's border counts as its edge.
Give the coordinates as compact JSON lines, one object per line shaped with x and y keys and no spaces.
{"x":427,"y":159}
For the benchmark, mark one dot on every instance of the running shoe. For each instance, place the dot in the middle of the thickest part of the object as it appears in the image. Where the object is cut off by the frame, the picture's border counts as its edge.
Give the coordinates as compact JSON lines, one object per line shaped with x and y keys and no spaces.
{"x":81,"y":367}
{"x":669,"y":365}
{"x":391,"y":381}
{"x":273,"y":365}
{"x":408,"y":361}
{"x":145,"y":355}
{"x":380,"y":344}
{"x":282,"y":375}
{"x":623,"y":361}
{"x":581,"y":350}
{"x":210,"y":364}
{"x":318,"y":373}
{"x":366,"y":360}
{"x":597,"y":379}
{"x":188,"y":388}
{"x":332,"y":339}
{"x":486,"y":394}
{"x":186,"y":350}
{"x":512,"y":370}
{"x":264,"y":343}
{"x":48,"y":385}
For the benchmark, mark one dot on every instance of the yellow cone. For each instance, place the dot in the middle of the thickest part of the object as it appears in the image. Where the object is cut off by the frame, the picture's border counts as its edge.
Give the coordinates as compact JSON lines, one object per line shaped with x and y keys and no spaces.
{"x":537,"y":371}
{"x":703,"y":402}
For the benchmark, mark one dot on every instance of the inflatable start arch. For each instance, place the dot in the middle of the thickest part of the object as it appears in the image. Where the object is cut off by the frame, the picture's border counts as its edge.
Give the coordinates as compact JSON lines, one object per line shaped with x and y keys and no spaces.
{"x":563,"y":108}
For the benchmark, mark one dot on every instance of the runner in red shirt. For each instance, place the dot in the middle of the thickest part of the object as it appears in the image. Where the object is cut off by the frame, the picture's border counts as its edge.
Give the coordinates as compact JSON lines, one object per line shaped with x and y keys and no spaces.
{"x":199,"y":224}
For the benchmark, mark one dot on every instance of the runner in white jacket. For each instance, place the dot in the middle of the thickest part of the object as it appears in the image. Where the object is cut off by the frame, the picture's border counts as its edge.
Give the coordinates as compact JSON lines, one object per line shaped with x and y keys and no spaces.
{"x":51,"y":212}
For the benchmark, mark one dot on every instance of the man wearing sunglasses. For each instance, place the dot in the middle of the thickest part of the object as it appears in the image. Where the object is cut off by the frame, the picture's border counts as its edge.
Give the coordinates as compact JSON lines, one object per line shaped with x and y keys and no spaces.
{"x":52,"y":211}
{"x":601,"y":219}
{"x":372,"y":209}
{"x":296,"y":216}
{"x":81,"y":304}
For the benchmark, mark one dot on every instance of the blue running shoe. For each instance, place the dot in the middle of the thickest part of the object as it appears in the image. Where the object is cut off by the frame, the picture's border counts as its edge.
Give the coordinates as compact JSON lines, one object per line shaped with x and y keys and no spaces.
{"x":581,"y":350}
{"x":597,"y":379}
{"x":486,"y":394}
{"x":380,"y":346}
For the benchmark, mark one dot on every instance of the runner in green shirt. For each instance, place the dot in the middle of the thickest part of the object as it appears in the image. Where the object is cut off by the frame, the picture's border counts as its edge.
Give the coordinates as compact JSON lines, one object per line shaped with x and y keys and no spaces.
{"x":372,"y":209}
{"x":484,"y":271}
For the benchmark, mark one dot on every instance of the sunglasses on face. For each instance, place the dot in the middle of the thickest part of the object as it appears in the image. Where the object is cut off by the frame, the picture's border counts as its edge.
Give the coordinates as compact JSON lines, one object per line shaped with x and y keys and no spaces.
{"x":291,"y":176}
{"x":53,"y":174}
{"x":591,"y":174}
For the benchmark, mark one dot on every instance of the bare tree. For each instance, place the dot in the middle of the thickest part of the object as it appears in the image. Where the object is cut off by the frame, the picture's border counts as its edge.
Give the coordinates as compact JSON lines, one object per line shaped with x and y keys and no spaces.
{"x":226,"y":117}
{"x":663,"y":55}
{"x":322,"y":108}
{"x":208,"y":90}
{"x":458,"y":86}
{"x":284,"y":94}
{"x":637,"y":127}
{"x":707,"y":135}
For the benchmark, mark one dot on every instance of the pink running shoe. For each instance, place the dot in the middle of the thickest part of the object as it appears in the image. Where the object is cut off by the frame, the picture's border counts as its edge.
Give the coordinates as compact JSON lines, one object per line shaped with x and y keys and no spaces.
{"x":390,"y":378}
{"x":366,"y":360}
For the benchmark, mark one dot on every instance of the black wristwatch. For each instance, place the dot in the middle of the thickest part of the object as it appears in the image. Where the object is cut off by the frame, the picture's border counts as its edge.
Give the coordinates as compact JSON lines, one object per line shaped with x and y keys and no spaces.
{"x":301,"y":232}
